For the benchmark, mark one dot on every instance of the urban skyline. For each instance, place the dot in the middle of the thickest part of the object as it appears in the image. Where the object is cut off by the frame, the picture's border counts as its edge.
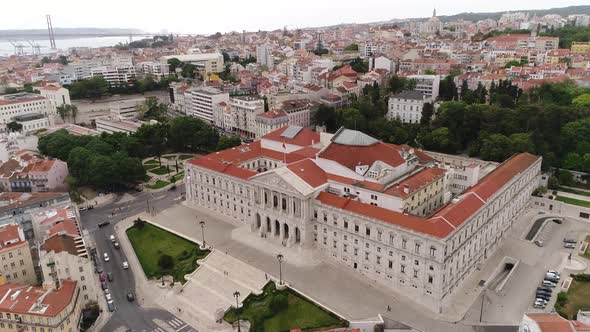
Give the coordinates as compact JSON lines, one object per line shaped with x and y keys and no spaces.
{"x":188,"y":20}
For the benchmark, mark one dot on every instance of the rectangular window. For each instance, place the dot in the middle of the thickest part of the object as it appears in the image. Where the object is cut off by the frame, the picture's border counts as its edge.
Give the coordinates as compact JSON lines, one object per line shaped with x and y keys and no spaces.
{"x":417,"y":248}
{"x":356,"y":228}
{"x":403,"y":268}
{"x":404,"y":242}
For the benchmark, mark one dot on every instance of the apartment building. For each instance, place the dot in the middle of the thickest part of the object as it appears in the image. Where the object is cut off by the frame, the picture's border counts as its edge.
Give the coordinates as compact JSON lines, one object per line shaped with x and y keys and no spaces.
{"x":118,"y":126}
{"x":264,"y":56}
{"x":156,"y":69}
{"x":299,"y":111}
{"x":127,"y":109}
{"x":270,"y":121}
{"x":206,"y":63}
{"x":27,"y":172}
{"x":382,"y":210}
{"x":427,"y":84}
{"x":26,"y":308}
{"x":407,"y":106}
{"x":244,"y":110}
{"x":22,"y":104}
{"x":15,"y":254}
{"x":18,"y":207}
{"x":56,"y":95}
{"x":201,"y":101}
{"x":32,"y":122}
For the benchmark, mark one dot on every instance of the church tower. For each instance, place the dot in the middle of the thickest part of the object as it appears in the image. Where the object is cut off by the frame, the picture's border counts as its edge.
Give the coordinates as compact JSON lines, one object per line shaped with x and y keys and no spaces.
{"x":434,"y":13}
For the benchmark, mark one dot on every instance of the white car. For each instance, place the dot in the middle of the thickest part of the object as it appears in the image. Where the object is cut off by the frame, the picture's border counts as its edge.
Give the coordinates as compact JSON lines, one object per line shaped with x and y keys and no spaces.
{"x":125,"y":265}
{"x":108,"y":297}
{"x":106,"y":257}
{"x":553,"y":272}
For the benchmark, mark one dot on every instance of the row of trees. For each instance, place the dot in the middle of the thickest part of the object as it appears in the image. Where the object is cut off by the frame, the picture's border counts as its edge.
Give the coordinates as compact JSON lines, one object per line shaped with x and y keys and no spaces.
{"x":552,"y":120}
{"x":111,"y":161}
{"x":97,"y":87}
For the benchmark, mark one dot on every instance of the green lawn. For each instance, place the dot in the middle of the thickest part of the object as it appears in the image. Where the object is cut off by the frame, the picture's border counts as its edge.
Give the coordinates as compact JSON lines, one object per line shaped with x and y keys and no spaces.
{"x":573,"y":201}
{"x":151,"y":162}
{"x":578,"y":297}
{"x":299,"y":313}
{"x":149,"y":167}
{"x":574,"y":191}
{"x":158,"y":185}
{"x":177,"y":176}
{"x":150,"y":242}
{"x":185,"y":156}
{"x":160,"y":170}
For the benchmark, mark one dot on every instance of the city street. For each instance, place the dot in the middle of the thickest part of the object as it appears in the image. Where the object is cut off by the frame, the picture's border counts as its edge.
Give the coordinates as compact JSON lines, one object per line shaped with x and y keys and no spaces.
{"x":128,"y":315}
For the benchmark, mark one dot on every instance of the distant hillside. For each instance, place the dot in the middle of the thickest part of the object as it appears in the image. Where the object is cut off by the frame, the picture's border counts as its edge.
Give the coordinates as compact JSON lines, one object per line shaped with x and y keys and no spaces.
{"x":70,"y":32}
{"x":564,"y":11}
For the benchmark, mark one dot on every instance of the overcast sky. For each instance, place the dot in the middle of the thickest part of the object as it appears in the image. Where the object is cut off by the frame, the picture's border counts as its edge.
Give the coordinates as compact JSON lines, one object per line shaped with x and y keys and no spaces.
{"x":206,"y":16}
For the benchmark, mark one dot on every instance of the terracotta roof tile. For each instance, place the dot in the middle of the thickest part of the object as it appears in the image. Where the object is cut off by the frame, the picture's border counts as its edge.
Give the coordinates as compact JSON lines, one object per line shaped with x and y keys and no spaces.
{"x":20,"y":299}
{"x":309,"y":172}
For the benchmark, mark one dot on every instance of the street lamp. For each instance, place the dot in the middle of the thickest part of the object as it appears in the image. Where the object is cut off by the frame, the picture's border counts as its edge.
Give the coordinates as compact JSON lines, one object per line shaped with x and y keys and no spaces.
{"x":237,"y":296}
{"x":202,"y":223}
{"x":280,"y":259}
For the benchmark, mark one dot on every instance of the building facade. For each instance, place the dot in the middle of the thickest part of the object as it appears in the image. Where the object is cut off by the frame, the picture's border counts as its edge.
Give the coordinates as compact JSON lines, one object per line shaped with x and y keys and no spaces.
{"x":382,"y":210}
{"x":15,"y":254}
{"x":202,"y":101}
{"x":22,"y":104}
{"x":407,"y":106}
{"x":244,"y":110}
{"x":26,"y":308}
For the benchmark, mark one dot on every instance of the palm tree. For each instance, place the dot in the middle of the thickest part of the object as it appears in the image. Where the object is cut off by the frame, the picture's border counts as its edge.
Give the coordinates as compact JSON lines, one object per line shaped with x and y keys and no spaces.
{"x":63,"y":111}
{"x":74,"y":111}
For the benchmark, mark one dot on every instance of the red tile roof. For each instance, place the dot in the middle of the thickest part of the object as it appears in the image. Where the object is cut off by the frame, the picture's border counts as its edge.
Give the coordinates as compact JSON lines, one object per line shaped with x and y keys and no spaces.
{"x":273,"y":114}
{"x":20,"y":101}
{"x":61,"y":242}
{"x":433,"y":227}
{"x":476,"y":196}
{"x":69,"y":227}
{"x":20,"y":299}
{"x":309,"y":172}
{"x":10,"y":237}
{"x":221,"y":167}
{"x":305,"y":137}
{"x":352,"y":156}
{"x":416,"y":182}
{"x":551,"y":323}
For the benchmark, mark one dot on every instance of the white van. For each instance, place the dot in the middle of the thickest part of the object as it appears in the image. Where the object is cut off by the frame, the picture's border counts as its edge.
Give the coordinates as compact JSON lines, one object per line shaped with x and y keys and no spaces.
{"x":112,"y":237}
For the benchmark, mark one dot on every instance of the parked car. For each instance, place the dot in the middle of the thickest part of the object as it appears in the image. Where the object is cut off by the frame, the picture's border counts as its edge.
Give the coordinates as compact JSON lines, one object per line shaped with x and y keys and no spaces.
{"x":111,"y":305}
{"x":112,"y":237}
{"x":125,"y":265}
{"x":553,"y":280}
{"x":538,"y":306}
{"x":102,"y":277}
{"x":104,"y":223}
{"x":83,"y":208}
{"x":539,"y":243}
{"x":569,"y":240}
{"x":90,"y":207}
{"x":554,"y":272}
{"x":539,"y":300}
{"x":108,"y":297}
{"x":551,"y":275}
{"x":106,"y":257}
{"x":569,"y":246}
{"x":130,"y":296}
{"x":103,"y":284}
{"x":107,"y":291}
{"x":558,"y":221}
{"x":547,"y":289}
{"x":116,"y":244}
{"x":98,"y":269}
{"x":550,"y":284}
{"x":546,"y":297}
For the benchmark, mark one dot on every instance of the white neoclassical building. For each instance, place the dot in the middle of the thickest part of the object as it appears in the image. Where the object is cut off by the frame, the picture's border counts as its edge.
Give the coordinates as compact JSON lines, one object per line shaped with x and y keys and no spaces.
{"x":390,"y":212}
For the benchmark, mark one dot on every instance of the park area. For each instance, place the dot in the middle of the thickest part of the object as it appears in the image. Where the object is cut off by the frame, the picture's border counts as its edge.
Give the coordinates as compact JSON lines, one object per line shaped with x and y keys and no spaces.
{"x":283,"y":310}
{"x":573,"y":201}
{"x":576,"y":298}
{"x":161,"y":252}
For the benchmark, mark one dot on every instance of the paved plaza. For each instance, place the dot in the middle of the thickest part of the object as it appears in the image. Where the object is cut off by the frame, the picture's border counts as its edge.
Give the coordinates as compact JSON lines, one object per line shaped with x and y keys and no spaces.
{"x":242,"y":261}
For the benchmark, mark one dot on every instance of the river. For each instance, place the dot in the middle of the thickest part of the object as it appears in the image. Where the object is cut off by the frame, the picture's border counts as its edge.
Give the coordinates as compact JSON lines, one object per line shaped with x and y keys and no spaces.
{"x":63,"y":44}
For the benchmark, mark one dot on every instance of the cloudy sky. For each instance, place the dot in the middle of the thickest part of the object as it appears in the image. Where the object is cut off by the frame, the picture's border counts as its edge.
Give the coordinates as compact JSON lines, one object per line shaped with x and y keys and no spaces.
{"x":202,"y":16}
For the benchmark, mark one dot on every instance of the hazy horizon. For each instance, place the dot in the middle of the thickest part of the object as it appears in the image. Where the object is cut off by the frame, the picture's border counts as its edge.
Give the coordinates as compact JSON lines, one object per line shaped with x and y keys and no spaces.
{"x":225,"y":16}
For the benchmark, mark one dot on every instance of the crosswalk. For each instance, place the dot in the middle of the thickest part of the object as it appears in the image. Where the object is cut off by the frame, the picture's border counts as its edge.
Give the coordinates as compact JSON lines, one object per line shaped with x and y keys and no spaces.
{"x":177,"y":324}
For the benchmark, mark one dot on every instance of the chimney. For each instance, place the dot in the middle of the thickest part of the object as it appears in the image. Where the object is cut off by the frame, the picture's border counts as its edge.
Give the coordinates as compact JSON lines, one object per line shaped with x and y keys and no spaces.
{"x":406,"y":189}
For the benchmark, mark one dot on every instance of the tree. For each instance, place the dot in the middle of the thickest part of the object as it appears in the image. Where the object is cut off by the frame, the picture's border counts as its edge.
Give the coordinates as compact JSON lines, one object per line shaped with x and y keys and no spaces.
{"x":192,"y":135}
{"x":326,"y":116}
{"x":166,"y":262}
{"x":359,"y":65}
{"x":139,"y":223}
{"x":226,"y":142}
{"x":63,"y":60}
{"x":174,"y":63}
{"x":582,"y":101}
{"x":496,"y":147}
{"x":91,"y":88}
{"x":146,"y":84}
{"x":188,"y":70}
{"x":14,"y":126}
{"x":63,"y":111}
{"x":427,"y":113}
{"x":566,"y":178}
{"x":351,"y":48}
{"x":103,"y":172}
{"x":225,"y":57}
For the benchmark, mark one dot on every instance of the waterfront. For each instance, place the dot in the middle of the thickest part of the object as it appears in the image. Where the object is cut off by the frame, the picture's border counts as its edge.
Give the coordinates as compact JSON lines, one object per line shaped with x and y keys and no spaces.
{"x":63,"y":44}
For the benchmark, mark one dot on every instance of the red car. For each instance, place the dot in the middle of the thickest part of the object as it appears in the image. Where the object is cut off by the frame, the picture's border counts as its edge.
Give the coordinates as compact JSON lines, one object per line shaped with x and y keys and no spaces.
{"x":102,"y":277}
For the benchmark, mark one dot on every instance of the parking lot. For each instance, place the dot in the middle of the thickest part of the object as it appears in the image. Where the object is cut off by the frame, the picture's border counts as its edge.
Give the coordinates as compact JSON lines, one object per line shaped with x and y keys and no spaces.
{"x":519,"y":292}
